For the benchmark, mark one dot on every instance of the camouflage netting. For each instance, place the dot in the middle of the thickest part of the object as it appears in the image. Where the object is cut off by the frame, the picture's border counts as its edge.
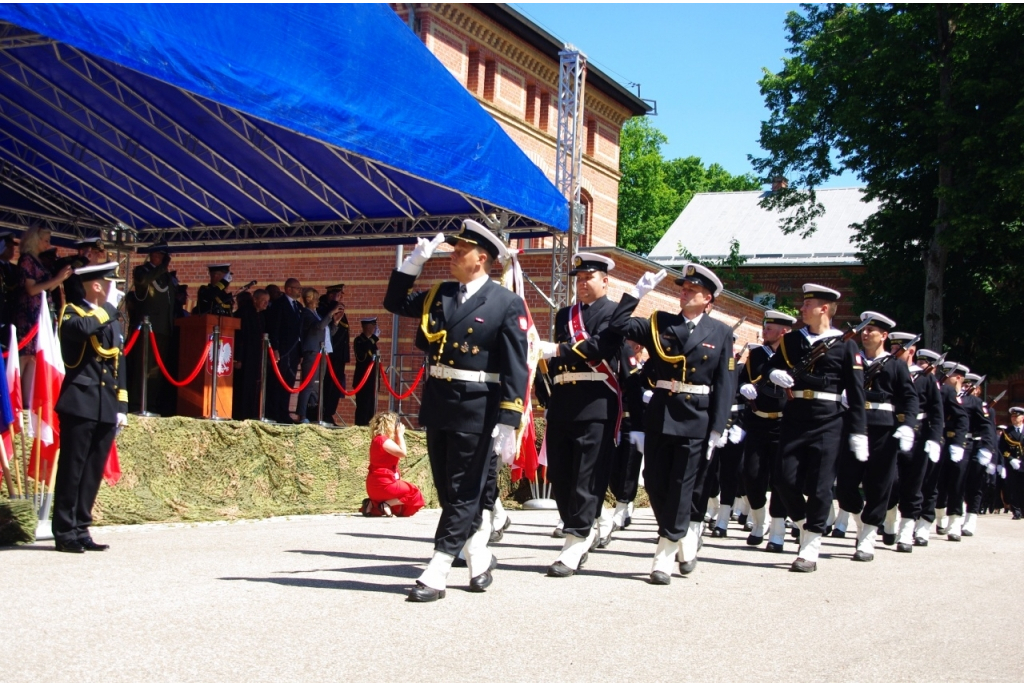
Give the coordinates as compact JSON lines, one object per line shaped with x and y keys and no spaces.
{"x":17,"y":522}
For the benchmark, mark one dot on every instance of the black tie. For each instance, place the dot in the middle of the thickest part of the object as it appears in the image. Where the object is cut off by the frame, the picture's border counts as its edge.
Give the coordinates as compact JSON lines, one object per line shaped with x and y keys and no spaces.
{"x":690,"y":326}
{"x":461,"y":296}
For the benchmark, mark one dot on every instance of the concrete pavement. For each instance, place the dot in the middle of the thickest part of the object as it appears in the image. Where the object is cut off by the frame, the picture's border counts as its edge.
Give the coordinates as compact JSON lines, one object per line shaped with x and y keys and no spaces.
{"x":321,"y":598}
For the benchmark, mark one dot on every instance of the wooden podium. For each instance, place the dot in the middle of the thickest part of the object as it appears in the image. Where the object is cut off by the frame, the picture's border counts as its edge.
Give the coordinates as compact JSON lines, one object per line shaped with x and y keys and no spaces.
{"x":194,"y":398}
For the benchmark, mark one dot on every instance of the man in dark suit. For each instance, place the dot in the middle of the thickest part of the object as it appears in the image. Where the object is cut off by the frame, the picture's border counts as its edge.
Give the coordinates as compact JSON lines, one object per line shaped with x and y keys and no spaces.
{"x":583,"y":412}
{"x":92,"y":404}
{"x":474,"y":332}
{"x":284,"y":330}
{"x":340,"y":345}
{"x":691,"y":367}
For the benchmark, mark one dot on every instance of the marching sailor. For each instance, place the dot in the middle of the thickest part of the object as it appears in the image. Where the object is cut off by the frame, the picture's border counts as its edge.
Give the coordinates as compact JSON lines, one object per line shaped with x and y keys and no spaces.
{"x":729,"y":459}
{"x":762,"y":422}
{"x":951,"y":471}
{"x":584,"y":411}
{"x":1011,"y":446}
{"x":982,"y":449}
{"x":474,"y":332}
{"x":625,"y":478}
{"x":817,"y":364}
{"x":890,"y":402}
{"x":691,"y":367}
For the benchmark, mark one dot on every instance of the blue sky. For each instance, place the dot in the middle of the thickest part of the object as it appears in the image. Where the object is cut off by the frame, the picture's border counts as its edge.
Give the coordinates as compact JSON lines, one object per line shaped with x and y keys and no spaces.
{"x":700,"y":62}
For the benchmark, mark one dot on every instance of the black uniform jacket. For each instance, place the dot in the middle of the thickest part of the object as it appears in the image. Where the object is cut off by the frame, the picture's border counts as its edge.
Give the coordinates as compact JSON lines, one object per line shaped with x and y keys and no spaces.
{"x":983,"y":431}
{"x":771,"y":399}
{"x":633,"y":381}
{"x":929,"y":399}
{"x":892,"y":385}
{"x":736,"y":410}
{"x":153,"y":292}
{"x":365,"y":349}
{"x":958,"y":424}
{"x":94,"y":385}
{"x":284,"y":326}
{"x":215,"y":299}
{"x":838,"y":370}
{"x":1011,"y":445}
{"x":703,"y":357}
{"x":585,"y":400}
{"x":486,"y":333}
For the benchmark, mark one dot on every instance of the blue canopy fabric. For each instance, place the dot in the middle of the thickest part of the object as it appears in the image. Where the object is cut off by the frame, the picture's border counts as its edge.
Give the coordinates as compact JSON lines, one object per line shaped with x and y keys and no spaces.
{"x":198,"y":120}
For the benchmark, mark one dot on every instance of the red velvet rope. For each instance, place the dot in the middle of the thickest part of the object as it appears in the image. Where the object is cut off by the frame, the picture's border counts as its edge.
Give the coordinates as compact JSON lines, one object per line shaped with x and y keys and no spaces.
{"x":406,"y":394}
{"x":338,"y":385}
{"x":163,"y":369}
{"x":131,"y":341}
{"x":26,"y":340}
{"x":280,"y":378}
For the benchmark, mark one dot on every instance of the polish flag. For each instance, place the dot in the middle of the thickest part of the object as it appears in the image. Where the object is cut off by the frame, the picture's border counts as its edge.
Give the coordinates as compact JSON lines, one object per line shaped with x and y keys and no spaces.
{"x":13,"y":373}
{"x":48,"y":378}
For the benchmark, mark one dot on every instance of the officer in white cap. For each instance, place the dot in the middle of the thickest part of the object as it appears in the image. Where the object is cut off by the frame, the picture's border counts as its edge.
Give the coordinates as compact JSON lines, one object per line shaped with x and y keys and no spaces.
{"x":474,"y":333}
{"x":891,"y":408}
{"x":981,"y":450}
{"x":1011,"y":448}
{"x":691,"y":367}
{"x":813,"y":423}
{"x":952,"y":467}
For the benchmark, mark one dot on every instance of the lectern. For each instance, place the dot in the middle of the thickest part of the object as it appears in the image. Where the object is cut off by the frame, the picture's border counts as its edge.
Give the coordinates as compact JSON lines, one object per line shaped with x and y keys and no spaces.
{"x":195,"y":398}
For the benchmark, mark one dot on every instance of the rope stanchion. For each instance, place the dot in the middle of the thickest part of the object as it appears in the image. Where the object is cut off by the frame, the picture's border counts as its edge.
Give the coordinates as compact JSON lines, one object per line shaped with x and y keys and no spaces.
{"x":131,"y":341}
{"x":340,"y":387}
{"x":284,"y":383}
{"x":409,"y":392}
{"x":163,"y":369}
{"x":23,"y":343}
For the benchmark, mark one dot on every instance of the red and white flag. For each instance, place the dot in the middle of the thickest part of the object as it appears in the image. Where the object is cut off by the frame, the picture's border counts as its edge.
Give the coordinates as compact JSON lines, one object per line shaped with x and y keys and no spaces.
{"x":49,"y":375}
{"x":14,"y":373}
{"x":525,"y":464}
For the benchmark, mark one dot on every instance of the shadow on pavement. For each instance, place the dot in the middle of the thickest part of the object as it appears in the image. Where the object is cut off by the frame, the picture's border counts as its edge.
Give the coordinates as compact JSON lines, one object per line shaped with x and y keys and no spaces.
{"x":355,"y":555}
{"x":378,"y":536}
{"x":353,"y":585}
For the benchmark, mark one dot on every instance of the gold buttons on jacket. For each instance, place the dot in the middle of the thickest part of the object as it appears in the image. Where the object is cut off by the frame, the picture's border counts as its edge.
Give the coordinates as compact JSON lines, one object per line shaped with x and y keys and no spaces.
{"x":469,"y":330}
{"x":705,"y":358}
{"x":693,"y":369}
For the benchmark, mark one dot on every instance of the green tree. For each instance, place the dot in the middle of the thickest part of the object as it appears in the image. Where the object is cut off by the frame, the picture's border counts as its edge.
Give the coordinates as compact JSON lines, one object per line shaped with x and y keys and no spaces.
{"x":654,"y":191}
{"x":728,"y":269}
{"x":925,"y":103}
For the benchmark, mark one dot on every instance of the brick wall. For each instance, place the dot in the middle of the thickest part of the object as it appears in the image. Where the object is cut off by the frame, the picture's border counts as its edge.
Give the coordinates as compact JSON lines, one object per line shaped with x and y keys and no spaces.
{"x":786,"y":283}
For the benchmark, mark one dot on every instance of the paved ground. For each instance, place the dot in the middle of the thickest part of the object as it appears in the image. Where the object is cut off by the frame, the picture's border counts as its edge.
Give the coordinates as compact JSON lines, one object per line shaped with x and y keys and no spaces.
{"x":321,"y":598}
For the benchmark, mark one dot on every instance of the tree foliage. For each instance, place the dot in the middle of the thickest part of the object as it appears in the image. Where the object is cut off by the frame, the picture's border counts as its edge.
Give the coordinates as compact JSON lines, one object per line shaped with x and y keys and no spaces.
{"x":653,"y":191}
{"x":925,"y":103}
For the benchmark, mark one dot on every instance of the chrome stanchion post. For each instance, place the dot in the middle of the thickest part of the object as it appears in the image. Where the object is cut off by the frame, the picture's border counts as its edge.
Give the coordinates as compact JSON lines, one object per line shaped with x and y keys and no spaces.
{"x":146,"y":328}
{"x":213,"y":383}
{"x":321,"y":379}
{"x":263,"y":377}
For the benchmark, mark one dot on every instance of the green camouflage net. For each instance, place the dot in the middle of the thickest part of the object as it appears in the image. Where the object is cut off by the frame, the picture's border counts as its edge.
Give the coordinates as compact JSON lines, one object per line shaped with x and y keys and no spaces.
{"x":17,"y":521}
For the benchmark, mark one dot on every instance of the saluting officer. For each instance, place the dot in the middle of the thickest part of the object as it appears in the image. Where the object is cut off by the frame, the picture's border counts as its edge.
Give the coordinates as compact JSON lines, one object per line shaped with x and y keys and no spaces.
{"x":93,"y":402}
{"x":691,"y":366}
{"x":474,"y":332}
{"x":762,"y":422}
{"x":583,"y":411}
{"x":812,"y":425}
{"x":214,"y":298}
{"x":911,"y":466}
{"x":890,"y":400}
{"x":365,"y":348}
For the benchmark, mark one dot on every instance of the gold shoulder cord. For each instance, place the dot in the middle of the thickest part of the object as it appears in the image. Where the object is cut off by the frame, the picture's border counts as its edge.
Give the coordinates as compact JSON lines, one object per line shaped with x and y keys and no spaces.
{"x":661,"y":353}
{"x":101,"y":352}
{"x":1011,"y":440}
{"x":441,"y":335}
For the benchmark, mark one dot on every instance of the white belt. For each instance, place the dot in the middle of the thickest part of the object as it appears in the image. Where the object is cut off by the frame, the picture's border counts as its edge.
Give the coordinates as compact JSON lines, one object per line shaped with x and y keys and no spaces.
{"x":679,"y":386}
{"x":880,"y":406}
{"x":735,"y":407}
{"x":768,"y":414}
{"x":573,"y":377}
{"x":460,"y":375}
{"x":815,"y":395}
{"x":921,"y":416}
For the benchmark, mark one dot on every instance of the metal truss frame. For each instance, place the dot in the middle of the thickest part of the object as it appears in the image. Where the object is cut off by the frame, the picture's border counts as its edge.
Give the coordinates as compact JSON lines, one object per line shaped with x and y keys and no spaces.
{"x":13,"y":36}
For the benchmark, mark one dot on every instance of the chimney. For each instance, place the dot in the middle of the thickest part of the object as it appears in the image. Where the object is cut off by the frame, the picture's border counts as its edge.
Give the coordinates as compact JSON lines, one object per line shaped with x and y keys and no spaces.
{"x":778,"y":183}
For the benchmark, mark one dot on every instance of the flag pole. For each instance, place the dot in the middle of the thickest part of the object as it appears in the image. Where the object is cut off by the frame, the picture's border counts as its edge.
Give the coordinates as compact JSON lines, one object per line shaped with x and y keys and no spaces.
{"x":24,"y":450}
{"x":44,"y":514}
{"x":37,"y":449}
{"x":7,"y":470}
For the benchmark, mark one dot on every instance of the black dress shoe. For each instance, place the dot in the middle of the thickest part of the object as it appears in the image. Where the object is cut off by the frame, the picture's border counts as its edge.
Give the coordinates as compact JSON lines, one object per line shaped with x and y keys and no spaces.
{"x":889,"y":539}
{"x":625,"y":523}
{"x":686,"y":567}
{"x":920,"y":542}
{"x":602,"y":543}
{"x":72,"y":547}
{"x":953,"y":537}
{"x":803,"y":566}
{"x":755,"y":540}
{"x":459,"y":563}
{"x":774,"y":547}
{"x":796,"y":533}
{"x":91,"y":545}
{"x":748,"y":526}
{"x":558,"y":533}
{"x":828,"y":531}
{"x":941,"y":531}
{"x":497,"y":535}
{"x":717,"y":532}
{"x":422,"y":593}
{"x":863,"y":556}
{"x":660,"y":578}
{"x":483,"y":581}
{"x":836,"y":533}
{"x":742,"y":520}
{"x":559,"y":570}
{"x":967,"y":533}
{"x":904,"y":547}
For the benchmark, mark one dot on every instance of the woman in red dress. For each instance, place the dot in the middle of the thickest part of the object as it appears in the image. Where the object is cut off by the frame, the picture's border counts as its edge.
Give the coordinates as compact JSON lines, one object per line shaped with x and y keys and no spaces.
{"x":388,"y":494}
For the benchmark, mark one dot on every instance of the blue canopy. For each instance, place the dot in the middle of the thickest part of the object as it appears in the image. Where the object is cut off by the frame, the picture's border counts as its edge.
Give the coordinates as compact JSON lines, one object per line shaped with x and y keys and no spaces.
{"x":250,"y":126}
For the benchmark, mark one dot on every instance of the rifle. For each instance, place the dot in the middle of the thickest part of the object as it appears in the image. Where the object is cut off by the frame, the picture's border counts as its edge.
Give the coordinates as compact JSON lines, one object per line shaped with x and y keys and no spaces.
{"x":998,"y":397}
{"x":971,"y":385}
{"x":872,"y":373}
{"x":819,"y":350}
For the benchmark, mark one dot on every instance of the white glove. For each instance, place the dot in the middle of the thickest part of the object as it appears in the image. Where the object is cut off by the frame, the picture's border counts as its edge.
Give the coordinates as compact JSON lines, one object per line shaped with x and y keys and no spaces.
{"x":637,"y":439}
{"x":781,"y":378}
{"x":648,"y":394}
{"x":505,"y":442}
{"x":933,"y":450}
{"x":114,"y":296}
{"x":228,"y":277}
{"x":956,"y":453}
{"x":859,"y":446}
{"x":905,"y":434}
{"x":548,"y":349}
{"x":990,"y":469}
{"x":648,"y":282}
{"x":122,"y":421}
{"x":749,"y":390}
{"x":722,"y":439}
{"x":736,"y":435}
{"x":1015,"y":464}
{"x":984,"y":457}
{"x":712,"y":443}
{"x":843,"y":400}
{"x":423,"y":251}
{"x":1002,"y":472}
